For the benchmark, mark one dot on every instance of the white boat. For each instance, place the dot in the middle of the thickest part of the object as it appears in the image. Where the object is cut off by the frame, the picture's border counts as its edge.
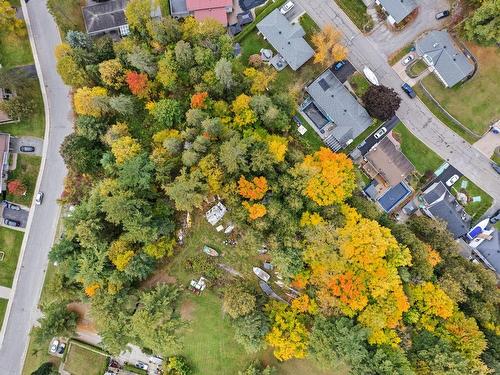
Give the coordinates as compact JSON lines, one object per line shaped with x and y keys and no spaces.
{"x":370,"y":76}
{"x":261,"y":274}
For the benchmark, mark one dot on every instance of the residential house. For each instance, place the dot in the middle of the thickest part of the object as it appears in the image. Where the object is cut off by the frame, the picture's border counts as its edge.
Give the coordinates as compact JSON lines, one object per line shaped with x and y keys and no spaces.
{"x":438,"y":203}
{"x":445,"y":58}
{"x":389,"y":168}
{"x":334,"y":112}
{"x":286,"y":38}
{"x":202,"y":9}
{"x":397,"y":10}
{"x":250,"y":4}
{"x":484,"y":240}
{"x":4,"y":159}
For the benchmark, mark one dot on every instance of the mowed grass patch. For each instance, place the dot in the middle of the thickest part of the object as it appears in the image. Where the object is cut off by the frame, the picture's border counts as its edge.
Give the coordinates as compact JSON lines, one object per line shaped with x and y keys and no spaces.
{"x":398,"y":55}
{"x":356,"y":11}
{"x":83,"y":361}
{"x":27,"y":172}
{"x":14,"y":50}
{"x":474,"y":209}
{"x":10,"y":244}
{"x":310,"y":138}
{"x":359,"y":84}
{"x":68,"y":14}
{"x":421,"y":156}
{"x":3,"y":307}
{"x":473,"y":102}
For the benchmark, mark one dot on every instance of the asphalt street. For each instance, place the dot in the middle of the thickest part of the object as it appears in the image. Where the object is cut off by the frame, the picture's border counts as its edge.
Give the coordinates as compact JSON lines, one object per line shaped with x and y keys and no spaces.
{"x":412,"y":112}
{"x":29,"y":278}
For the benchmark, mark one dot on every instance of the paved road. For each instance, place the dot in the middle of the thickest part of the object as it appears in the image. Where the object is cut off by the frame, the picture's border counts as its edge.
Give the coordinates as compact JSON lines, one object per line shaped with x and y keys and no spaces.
{"x":42,"y":223}
{"x":413,"y":113}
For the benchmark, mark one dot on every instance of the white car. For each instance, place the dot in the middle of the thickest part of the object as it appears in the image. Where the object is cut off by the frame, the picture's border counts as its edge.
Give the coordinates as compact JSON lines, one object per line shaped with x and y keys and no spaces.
{"x":380,"y":133}
{"x":142,"y":365}
{"x":407,"y":59}
{"x":39,"y":198}
{"x":287,"y":7}
{"x":54,"y":346}
{"x":452,"y":180}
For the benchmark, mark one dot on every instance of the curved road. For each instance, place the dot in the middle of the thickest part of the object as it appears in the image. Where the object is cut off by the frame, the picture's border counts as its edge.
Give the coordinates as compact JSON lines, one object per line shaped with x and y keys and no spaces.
{"x":412,"y":112}
{"x":42,"y":223}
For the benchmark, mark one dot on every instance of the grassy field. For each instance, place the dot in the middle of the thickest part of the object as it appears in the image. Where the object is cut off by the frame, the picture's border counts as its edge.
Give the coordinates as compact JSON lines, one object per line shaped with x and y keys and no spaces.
{"x":422,"y":157}
{"x":359,"y":84}
{"x":398,"y":55}
{"x":310,"y":138}
{"x":475,"y":209}
{"x":356,"y":11}
{"x":14,"y":50}
{"x":3,"y":307}
{"x":26,"y":171}
{"x":10,"y":244}
{"x":418,"y":67}
{"x":471,"y":102}
{"x":36,"y":355}
{"x":68,"y":14}
{"x":82,"y":361}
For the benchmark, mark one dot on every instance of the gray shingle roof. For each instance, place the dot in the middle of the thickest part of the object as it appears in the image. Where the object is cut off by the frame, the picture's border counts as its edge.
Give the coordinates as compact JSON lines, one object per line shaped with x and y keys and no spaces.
{"x":490,"y":249}
{"x":438,"y":49}
{"x":398,"y":9}
{"x":287,"y":39}
{"x":333,"y":99}
{"x":105,"y":16}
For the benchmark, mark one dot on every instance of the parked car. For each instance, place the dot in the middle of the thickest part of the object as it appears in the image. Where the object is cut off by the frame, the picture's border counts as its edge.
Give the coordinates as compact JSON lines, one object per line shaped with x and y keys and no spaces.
{"x":12,"y":223}
{"x":407,"y":59}
{"x":496,"y":167}
{"x":13,"y":206}
{"x":39,"y":198}
{"x":443,"y":14}
{"x":27,"y":148}
{"x":452,"y":180}
{"x":61,"y":348}
{"x":380,"y":132}
{"x":142,"y":365}
{"x":338,"y":65}
{"x":495,"y":218}
{"x":287,"y":7}
{"x":53,"y":347}
{"x":407,"y":88}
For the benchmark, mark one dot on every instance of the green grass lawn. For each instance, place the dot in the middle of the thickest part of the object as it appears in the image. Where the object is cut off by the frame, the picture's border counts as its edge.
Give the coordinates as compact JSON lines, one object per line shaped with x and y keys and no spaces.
{"x":442,"y":117}
{"x":82,"y":361}
{"x":68,"y":14}
{"x":309,"y":26}
{"x":252,"y":44}
{"x":359,"y":84}
{"x":311,"y":139}
{"x":10,"y":244}
{"x":418,"y":67}
{"x":165,"y":7}
{"x":398,"y":55}
{"x":3,"y":307}
{"x":14,"y":50}
{"x":36,"y":355}
{"x":473,"y":102}
{"x":421,"y":156}
{"x":26,"y":171}
{"x":475,"y":209}
{"x":496,"y":159}
{"x":356,"y":10}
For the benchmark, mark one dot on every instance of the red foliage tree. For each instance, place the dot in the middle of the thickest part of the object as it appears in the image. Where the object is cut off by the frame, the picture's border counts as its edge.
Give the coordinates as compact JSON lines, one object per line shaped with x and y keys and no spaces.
{"x":137,"y":82}
{"x":198,"y":100}
{"x":16,"y":187}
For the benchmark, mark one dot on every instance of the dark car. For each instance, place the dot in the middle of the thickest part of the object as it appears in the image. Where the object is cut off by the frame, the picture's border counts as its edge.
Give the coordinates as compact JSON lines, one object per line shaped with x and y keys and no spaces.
{"x":13,"y":207}
{"x":495,"y":218}
{"x":407,"y":88}
{"x":443,"y":14}
{"x":338,"y":65}
{"x":61,"y":348}
{"x":27,"y":148}
{"x":496,"y":167}
{"x":12,"y":223}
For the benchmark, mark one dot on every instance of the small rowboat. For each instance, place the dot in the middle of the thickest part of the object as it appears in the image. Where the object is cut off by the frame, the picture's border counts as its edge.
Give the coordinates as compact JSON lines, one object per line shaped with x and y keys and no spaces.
{"x":261,"y":274}
{"x":209,"y":251}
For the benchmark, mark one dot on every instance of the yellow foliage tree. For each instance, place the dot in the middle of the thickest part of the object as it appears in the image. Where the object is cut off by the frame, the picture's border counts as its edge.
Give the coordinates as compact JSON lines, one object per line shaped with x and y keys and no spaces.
{"x":329,"y":177}
{"x":163,"y":247}
{"x":120,"y":253}
{"x":91,"y":290}
{"x":212,"y":172}
{"x":138,"y":12}
{"x":304,"y":304}
{"x":125,"y":148}
{"x":311,"y":219}
{"x":90,"y":101}
{"x":9,"y":21}
{"x":329,"y":47}
{"x":261,"y":79}
{"x":253,"y":190}
{"x":243,"y":114}
{"x":112,"y":73}
{"x":430,"y":302}
{"x":255,"y":210}
{"x":277,"y":146}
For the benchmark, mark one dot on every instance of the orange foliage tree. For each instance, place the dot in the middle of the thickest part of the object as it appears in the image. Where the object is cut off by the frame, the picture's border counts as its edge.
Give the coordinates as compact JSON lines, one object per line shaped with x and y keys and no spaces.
{"x":16,"y":187}
{"x":138,"y":83}
{"x":329,"y":47}
{"x":253,"y":190}
{"x":198,"y":100}
{"x":255,"y":211}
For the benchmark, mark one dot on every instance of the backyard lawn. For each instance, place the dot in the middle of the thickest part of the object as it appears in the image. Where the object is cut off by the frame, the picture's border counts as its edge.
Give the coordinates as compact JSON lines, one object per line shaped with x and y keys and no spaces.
{"x":418,"y":67}
{"x":26,"y":171}
{"x":10,"y":244}
{"x":475,"y":209}
{"x":83,"y":361}
{"x":310,"y":137}
{"x":68,"y":14}
{"x":14,"y":50}
{"x":356,"y":10}
{"x":359,"y":84}
{"x":3,"y":307}
{"x":421,"y":156}
{"x":473,"y":102}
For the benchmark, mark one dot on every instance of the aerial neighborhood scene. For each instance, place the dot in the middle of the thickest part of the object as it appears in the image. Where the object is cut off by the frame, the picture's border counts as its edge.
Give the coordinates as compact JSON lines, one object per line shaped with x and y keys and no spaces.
{"x":249,"y":187}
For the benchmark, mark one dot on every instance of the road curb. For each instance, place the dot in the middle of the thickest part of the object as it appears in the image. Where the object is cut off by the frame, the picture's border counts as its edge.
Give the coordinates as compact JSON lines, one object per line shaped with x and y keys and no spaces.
{"x":40,"y":171}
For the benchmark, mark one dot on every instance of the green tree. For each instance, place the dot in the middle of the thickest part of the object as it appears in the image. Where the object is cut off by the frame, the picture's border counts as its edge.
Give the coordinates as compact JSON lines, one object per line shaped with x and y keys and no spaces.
{"x":81,"y":154}
{"x":258,"y":369}
{"x":177,"y":365}
{"x":142,"y":60}
{"x":484,"y":25}
{"x":224,"y":73}
{"x":167,"y":112}
{"x":123,"y":104}
{"x":184,"y":54}
{"x":164,"y":31}
{"x":57,"y":320}
{"x":90,"y":127}
{"x":237,"y":301}
{"x":78,"y":39}
{"x":187,"y":191}
{"x":46,"y":368}
{"x":250,"y":331}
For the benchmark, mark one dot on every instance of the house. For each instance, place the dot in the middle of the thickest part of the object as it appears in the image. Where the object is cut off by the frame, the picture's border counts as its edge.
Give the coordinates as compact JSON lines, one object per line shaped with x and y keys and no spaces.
{"x":389,"y":168}
{"x":202,"y":9}
{"x":286,"y":38}
{"x":250,"y":4}
{"x":334,"y":113}
{"x":448,"y":62}
{"x":484,"y":241}
{"x":438,"y":203}
{"x":216,"y":213}
{"x":4,"y":159}
{"x":397,"y":10}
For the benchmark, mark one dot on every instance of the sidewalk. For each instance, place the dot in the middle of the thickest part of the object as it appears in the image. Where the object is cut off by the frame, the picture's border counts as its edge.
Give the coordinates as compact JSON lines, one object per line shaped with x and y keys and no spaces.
{"x":5,"y":292}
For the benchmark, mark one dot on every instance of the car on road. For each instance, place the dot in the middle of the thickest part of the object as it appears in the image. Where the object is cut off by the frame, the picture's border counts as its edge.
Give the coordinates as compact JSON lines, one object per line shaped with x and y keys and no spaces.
{"x":27,"y":148}
{"x":142,"y":365}
{"x":39,"y":198}
{"x":407,"y":88}
{"x":11,"y":223}
{"x":496,"y":167}
{"x":61,"y":348}
{"x":452,"y":180}
{"x":287,"y":7}
{"x":380,"y":132}
{"x":495,"y":218}
{"x":54,"y":346}
{"x":443,"y":14}
{"x":339,"y":64}
{"x":407,"y":60}
{"x":13,"y":206}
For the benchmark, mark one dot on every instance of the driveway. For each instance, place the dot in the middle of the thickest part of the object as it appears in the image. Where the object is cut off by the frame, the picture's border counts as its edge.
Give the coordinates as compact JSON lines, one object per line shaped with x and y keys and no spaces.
{"x":18,"y":215}
{"x":17,"y":142}
{"x":388,"y":41}
{"x":400,"y":69}
{"x":345,"y":72}
{"x":488,"y":143}
{"x":370,"y":141}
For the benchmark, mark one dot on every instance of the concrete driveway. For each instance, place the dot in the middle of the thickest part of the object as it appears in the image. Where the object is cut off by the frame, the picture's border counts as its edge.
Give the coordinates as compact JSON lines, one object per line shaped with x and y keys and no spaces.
{"x":18,"y":215}
{"x":388,"y":41}
{"x":17,"y":142}
{"x":488,"y":143}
